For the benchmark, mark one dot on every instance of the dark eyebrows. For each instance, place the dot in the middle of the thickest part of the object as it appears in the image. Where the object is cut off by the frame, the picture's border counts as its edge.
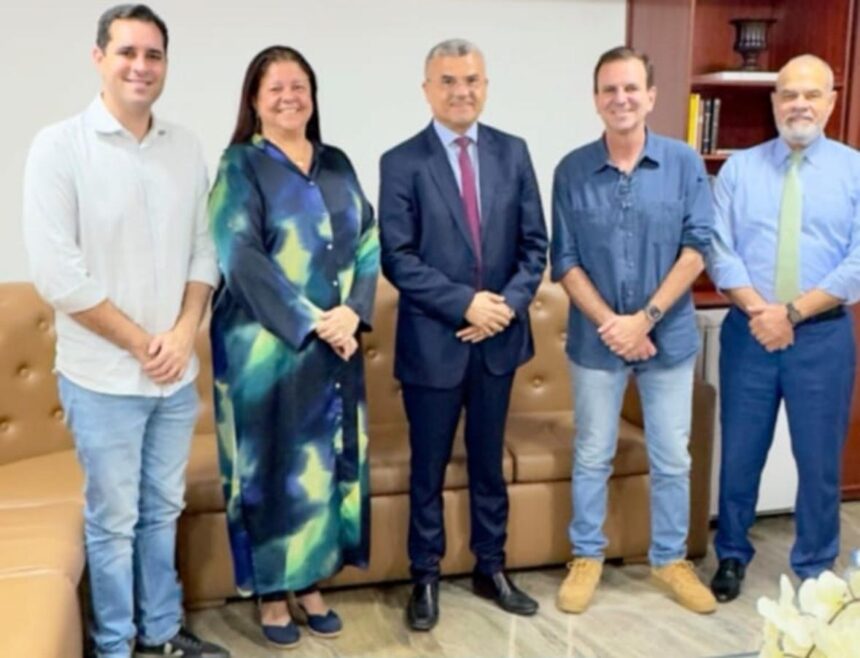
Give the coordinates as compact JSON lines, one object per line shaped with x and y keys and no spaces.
{"x":149,"y":52}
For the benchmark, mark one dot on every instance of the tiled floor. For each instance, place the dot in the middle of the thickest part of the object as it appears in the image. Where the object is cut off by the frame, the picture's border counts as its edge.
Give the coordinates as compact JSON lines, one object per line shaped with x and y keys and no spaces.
{"x":630,"y":618}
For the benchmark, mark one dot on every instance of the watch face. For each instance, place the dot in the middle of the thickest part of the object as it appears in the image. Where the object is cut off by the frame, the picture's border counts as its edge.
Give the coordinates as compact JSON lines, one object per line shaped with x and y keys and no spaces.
{"x":793,"y":314}
{"x":654,"y":313}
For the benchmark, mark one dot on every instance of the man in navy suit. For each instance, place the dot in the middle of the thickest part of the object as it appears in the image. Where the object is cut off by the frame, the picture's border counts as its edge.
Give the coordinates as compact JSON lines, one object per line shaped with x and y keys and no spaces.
{"x":464,"y":241}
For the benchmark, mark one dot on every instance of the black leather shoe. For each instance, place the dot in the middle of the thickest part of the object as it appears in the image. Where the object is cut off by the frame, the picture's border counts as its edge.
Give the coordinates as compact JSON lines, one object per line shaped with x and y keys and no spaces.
{"x":507,"y":596}
{"x":422,"y":611}
{"x":726,"y":584}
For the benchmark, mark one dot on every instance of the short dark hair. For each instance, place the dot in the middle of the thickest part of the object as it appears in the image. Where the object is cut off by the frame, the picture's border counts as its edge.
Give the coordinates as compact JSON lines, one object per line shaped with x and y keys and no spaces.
{"x":622,"y":53}
{"x":247,"y":123}
{"x":127,"y":12}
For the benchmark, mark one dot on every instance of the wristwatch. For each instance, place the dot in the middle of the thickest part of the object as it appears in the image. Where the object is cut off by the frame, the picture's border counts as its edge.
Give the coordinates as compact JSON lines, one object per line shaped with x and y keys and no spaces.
{"x":794,"y":315}
{"x":653,"y":313}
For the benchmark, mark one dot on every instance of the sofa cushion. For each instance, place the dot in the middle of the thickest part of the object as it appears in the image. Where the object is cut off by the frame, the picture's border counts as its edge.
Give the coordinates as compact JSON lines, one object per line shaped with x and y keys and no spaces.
{"x":28,"y":554}
{"x":39,"y":616}
{"x":389,"y":461}
{"x":203,"y":492}
{"x":389,"y":467}
{"x":63,"y":521}
{"x":55,"y":477}
{"x":541,"y":444}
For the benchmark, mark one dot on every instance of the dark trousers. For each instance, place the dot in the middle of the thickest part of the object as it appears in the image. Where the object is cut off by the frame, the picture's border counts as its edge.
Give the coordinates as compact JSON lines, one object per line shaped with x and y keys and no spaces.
{"x":433,"y":415}
{"x":815,"y":378}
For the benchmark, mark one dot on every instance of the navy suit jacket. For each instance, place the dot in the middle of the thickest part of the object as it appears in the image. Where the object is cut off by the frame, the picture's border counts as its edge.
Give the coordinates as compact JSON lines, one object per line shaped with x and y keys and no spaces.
{"x":427,"y":253}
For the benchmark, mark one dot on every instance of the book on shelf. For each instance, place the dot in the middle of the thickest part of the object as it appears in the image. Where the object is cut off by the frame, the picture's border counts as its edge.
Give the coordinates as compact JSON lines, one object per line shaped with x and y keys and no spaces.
{"x":707,"y":114}
{"x":703,"y":124}
{"x":715,"y":124}
{"x":693,"y":119}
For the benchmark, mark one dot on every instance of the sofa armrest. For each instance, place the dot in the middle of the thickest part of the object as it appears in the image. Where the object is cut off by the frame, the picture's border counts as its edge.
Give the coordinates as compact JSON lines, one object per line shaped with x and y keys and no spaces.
{"x":701,"y":452}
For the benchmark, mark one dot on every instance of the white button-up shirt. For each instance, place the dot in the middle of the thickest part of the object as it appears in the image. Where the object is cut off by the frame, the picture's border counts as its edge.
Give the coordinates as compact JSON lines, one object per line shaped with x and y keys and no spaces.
{"x":109,"y":218}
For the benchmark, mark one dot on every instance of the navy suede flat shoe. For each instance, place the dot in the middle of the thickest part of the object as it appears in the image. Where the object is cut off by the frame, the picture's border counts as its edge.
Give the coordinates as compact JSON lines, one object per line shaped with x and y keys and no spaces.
{"x":327,"y":625}
{"x":284,"y":637}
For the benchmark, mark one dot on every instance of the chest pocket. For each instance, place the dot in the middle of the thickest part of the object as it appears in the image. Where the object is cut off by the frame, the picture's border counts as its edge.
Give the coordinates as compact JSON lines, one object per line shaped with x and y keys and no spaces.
{"x":662,"y":222}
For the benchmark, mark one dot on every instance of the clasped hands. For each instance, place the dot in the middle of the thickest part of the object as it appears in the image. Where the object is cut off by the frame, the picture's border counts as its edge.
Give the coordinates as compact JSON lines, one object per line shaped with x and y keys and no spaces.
{"x":165,"y":356}
{"x":770,"y":326}
{"x":487,"y":315}
{"x":627,"y":336}
{"x":337,"y":327}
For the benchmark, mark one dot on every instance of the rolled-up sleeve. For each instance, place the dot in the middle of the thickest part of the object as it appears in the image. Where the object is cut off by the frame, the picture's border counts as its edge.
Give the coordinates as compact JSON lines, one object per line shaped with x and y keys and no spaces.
{"x":698,"y":228}
{"x":844,"y":281}
{"x":564,"y":253}
{"x":725,"y":266}
{"x":50,"y":218}
{"x":203,"y":266}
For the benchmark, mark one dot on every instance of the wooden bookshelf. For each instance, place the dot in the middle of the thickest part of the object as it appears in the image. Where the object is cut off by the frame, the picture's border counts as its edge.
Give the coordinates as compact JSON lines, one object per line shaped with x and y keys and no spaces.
{"x":689,"y":39}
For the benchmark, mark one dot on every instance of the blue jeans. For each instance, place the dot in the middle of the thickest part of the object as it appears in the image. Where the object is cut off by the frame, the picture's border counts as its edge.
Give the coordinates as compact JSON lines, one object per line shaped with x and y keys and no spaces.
{"x":133,"y":451}
{"x":666,"y":395}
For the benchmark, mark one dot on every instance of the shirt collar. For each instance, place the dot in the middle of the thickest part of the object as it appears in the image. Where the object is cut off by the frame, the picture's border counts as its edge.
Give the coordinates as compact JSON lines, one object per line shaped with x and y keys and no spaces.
{"x":811,"y":154}
{"x":102,"y":121}
{"x":448,"y":136}
{"x":652,"y":152}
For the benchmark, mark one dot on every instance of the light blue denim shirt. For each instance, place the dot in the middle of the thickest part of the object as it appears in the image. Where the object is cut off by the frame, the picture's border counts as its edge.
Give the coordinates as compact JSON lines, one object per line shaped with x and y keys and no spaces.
{"x":626,"y":231}
{"x":747,"y":195}
{"x":449,"y":140}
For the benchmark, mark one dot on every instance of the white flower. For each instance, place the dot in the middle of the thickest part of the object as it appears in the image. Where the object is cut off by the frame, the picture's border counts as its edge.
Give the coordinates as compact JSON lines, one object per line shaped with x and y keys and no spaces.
{"x":787,"y":618}
{"x":841,"y":642}
{"x":826,"y":624}
{"x":824,"y":596}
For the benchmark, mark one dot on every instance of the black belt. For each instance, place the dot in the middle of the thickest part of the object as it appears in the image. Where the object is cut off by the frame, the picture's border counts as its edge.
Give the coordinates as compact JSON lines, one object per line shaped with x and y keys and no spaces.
{"x":824,"y":316}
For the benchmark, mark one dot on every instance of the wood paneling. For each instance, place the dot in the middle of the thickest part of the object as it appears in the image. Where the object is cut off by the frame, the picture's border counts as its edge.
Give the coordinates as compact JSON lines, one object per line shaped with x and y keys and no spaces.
{"x":649,"y":24}
{"x":690,"y":37}
{"x":851,"y":455}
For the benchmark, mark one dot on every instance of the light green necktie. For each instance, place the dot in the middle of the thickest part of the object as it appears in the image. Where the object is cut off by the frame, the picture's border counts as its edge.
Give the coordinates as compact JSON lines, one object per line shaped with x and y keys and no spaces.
{"x":787,"y":279}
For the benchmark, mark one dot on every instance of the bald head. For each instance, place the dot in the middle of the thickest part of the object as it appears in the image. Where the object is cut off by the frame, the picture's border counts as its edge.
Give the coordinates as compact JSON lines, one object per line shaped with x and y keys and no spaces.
{"x":803,"y":99}
{"x":806,"y":65}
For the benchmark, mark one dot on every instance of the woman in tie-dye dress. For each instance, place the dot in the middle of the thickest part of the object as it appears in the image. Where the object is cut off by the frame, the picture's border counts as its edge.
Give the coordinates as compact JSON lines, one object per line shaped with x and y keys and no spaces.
{"x":299,"y":255}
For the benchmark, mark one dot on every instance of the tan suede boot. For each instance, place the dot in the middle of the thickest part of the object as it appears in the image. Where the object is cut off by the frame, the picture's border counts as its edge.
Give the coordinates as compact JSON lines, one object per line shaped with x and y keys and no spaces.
{"x":680,"y":579}
{"x":578,"y":587}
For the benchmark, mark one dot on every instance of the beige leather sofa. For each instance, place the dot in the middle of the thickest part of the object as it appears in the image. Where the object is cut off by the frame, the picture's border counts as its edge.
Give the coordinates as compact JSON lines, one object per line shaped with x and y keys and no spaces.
{"x":41,"y":545}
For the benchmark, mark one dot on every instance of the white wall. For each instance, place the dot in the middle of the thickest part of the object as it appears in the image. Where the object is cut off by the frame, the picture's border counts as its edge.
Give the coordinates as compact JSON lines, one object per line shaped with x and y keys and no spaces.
{"x":368,"y":56}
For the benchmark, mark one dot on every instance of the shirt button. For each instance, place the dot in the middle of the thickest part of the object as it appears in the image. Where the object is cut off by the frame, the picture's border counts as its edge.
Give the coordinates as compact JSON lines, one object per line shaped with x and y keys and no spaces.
{"x":329,"y":246}
{"x":334,"y":283}
{"x":337,"y":385}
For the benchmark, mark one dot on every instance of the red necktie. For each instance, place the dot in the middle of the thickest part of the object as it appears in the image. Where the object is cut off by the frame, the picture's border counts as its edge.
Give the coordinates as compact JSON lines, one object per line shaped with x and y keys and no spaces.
{"x":469,"y":195}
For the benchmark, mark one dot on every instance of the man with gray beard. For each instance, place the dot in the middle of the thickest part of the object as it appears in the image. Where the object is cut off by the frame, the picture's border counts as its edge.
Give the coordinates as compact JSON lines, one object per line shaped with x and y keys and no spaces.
{"x":787,"y":254}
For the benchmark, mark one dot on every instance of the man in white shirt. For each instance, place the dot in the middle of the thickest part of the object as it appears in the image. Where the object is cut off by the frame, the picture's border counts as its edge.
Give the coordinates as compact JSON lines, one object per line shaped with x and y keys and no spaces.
{"x":115,"y":227}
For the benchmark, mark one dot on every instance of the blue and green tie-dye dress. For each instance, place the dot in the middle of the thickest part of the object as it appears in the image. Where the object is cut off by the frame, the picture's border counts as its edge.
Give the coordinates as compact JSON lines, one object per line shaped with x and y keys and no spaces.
{"x":291,"y":415}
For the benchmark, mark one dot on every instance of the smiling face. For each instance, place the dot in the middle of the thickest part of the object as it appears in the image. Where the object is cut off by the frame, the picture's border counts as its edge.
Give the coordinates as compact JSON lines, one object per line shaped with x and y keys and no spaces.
{"x":456,"y":88}
{"x":622,"y":97}
{"x":803,"y":100}
{"x":284,"y":102}
{"x":133,"y":66}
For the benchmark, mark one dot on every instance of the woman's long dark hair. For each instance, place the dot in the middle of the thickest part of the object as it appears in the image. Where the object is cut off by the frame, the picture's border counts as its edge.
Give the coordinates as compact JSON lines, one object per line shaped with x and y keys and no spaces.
{"x":248,"y":122}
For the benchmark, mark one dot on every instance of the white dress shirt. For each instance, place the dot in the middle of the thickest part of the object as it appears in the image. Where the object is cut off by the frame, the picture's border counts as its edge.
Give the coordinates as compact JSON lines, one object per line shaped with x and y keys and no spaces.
{"x":109,"y":218}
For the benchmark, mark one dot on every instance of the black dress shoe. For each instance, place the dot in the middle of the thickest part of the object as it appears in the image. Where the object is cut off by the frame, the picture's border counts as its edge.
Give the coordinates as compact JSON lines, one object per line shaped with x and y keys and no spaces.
{"x":726,"y":584}
{"x":507,"y":596}
{"x":422,"y":611}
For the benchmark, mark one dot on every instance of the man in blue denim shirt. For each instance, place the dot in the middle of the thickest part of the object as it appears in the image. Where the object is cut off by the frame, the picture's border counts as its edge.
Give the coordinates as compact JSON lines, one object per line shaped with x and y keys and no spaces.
{"x":632,"y":222}
{"x":787,"y":253}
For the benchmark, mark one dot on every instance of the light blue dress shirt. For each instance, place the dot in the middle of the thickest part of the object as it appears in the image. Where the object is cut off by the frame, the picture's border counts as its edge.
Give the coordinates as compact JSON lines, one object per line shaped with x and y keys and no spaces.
{"x":747,"y":197}
{"x":449,"y":140}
